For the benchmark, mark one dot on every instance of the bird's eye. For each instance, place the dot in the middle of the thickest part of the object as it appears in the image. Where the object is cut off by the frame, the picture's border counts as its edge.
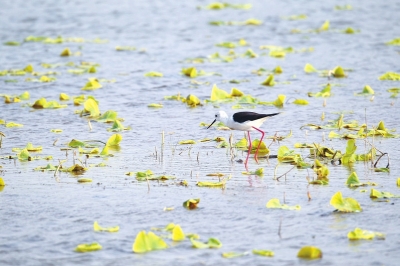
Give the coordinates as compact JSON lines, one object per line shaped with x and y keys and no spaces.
{"x":216,"y":115}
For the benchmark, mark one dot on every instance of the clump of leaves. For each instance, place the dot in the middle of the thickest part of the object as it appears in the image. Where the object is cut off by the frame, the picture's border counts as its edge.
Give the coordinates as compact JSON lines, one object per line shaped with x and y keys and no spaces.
{"x":322,"y":172}
{"x":344,"y":204}
{"x":359,"y":233}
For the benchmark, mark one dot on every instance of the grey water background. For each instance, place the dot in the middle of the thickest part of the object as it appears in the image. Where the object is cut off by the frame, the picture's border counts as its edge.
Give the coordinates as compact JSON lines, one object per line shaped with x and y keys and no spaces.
{"x":42,"y":219}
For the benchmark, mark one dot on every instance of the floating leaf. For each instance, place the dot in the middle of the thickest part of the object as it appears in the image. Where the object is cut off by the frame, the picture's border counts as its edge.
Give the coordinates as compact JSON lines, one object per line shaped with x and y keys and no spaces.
{"x":353,"y":181}
{"x":211,"y":184}
{"x":218,"y":94}
{"x":344,"y":204}
{"x":325,"y":92}
{"x":13,"y":124}
{"x":66,"y":52}
{"x":91,"y":106}
{"x":75,"y":169}
{"x":92,"y":84}
{"x":117,"y":126}
{"x":12,"y":43}
{"x":48,"y":167}
{"x":359,"y":233}
{"x":177,"y":233}
{"x":108,"y":117}
{"x":233,"y":254}
{"x":390,"y":76}
{"x":2,"y":183}
{"x":114,"y":140}
{"x":189,"y":141}
{"x":277,"y":70}
{"x":190,"y":72}
{"x":269,"y":81}
{"x":275,"y":204}
{"x":325,"y":26}
{"x":198,"y":244}
{"x":300,"y":102}
{"x":64,"y":97}
{"x":155,"y":105}
{"x":125,"y":48}
{"x":88,"y":247}
{"x":84,"y":180}
{"x":191,"y":204}
{"x":153,"y":74}
{"x":98,"y":228}
{"x":25,"y":96}
{"x":261,"y":252}
{"x":398,"y":182}
{"x":375,"y":194}
{"x":349,"y":157}
{"x":192,"y":100}
{"x":76,"y":143}
{"x":236,"y":93}
{"x":338,"y":72}
{"x":24,"y":155}
{"x":148,"y":242}
{"x":394,"y":42}
{"x":309,"y":252}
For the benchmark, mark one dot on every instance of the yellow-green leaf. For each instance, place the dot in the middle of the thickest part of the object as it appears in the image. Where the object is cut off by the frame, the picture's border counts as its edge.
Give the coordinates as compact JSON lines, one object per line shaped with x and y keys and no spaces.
{"x":92,"y":84}
{"x":191,"y":204}
{"x":189,"y":141}
{"x":359,"y":233}
{"x":84,"y":180}
{"x":2,"y":183}
{"x":91,"y":106}
{"x":344,"y":204}
{"x":269,"y":81}
{"x":114,"y":140}
{"x":153,"y":74}
{"x":66,"y":52}
{"x":98,"y":228}
{"x":275,"y":204}
{"x":177,"y":233}
{"x":308,"y":68}
{"x":309,"y":252}
{"x":261,"y":252}
{"x":88,"y":247}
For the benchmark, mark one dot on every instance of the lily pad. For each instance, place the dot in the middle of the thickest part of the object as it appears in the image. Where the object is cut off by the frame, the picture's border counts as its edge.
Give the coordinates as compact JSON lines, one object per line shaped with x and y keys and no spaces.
{"x":344,"y":204}
{"x":263,"y":252}
{"x":359,"y":233}
{"x":191,"y":204}
{"x":145,"y":242}
{"x":309,"y":252}
{"x":275,"y":204}
{"x":88,"y":247}
{"x":98,"y":228}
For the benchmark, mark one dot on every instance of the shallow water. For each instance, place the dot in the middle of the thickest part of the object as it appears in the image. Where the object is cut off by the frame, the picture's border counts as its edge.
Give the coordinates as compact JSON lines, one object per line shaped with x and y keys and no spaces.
{"x":44,"y":218}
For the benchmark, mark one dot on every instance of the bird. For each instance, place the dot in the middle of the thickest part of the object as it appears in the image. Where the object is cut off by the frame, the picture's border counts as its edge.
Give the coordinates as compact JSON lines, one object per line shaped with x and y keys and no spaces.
{"x":244,"y":121}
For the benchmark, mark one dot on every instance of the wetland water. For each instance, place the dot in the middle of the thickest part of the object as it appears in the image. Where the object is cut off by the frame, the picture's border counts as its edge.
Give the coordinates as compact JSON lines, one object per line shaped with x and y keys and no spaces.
{"x":43,"y":219}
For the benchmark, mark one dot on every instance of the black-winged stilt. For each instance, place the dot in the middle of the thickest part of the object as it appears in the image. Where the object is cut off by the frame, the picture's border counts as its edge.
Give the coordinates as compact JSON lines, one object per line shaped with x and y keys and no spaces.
{"x":244,"y":121}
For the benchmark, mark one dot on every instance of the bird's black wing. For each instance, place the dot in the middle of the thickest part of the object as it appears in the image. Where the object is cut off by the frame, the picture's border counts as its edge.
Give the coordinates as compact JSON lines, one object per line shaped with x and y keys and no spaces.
{"x":241,"y":117}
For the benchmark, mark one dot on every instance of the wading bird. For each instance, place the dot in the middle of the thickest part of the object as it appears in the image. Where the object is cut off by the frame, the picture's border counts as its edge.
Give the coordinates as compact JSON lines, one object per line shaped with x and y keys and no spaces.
{"x":244,"y":121}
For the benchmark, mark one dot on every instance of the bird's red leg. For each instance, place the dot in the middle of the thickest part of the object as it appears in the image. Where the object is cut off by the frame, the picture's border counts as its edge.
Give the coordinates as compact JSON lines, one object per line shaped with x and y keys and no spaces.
{"x":259,"y":144}
{"x":248,"y":153}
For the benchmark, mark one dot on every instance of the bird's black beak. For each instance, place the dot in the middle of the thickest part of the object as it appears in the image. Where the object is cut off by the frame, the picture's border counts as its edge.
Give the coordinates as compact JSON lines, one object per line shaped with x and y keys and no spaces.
{"x":212,"y":123}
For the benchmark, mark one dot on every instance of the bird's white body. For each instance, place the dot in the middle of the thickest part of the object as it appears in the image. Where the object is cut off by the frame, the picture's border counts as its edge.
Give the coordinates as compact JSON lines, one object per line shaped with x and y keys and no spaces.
{"x":244,"y":121}
{"x":244,"y":126}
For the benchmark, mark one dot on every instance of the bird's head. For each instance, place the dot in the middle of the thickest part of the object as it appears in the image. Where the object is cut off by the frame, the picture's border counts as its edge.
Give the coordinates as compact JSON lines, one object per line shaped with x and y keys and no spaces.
{"x":219,"y":116}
